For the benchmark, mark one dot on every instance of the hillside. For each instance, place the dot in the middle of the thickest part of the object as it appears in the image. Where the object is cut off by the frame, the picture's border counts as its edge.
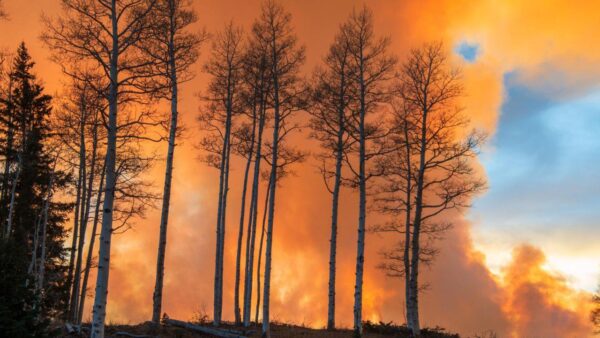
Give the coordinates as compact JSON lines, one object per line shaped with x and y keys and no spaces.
{"x":371,"y":330}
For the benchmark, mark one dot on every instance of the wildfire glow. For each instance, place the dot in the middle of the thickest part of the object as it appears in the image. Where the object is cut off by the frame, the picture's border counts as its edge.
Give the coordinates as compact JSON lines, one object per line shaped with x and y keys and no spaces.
{"x":516,"y":300}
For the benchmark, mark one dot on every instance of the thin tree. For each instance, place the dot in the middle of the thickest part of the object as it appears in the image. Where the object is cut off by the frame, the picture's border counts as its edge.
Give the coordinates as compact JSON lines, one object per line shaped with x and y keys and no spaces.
{"x":444,"y":177}
{"x":256,"y":68}
{"x":260,"y":251}
{"x":246,"y":136}
{"x":76,"y":124}
{"x":93,"y":235}
{"x":371,"y":68}
{"x":223,"y":96}
{"x":329,"y":109}
{"x":274,"y":31}
{"x":174,"y":50}
{"x":105,"y":33}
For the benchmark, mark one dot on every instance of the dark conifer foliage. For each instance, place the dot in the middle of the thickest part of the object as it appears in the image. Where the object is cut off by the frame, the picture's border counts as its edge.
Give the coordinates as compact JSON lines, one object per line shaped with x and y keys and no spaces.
{"x":32,"y":254}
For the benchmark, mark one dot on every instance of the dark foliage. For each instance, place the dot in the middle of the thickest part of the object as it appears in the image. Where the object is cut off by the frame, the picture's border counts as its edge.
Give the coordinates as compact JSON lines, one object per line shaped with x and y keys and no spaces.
{"x":403,"y":331}
{"x":32,"y":256}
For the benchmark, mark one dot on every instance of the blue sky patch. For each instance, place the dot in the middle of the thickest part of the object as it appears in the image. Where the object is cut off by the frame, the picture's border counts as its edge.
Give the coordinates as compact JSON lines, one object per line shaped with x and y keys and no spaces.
{"x":542,"y":165}
{"x":468,"y":51}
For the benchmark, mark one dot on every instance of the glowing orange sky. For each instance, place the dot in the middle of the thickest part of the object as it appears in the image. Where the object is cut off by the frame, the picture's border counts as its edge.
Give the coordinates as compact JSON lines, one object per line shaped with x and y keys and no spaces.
{"x":464,"y":295}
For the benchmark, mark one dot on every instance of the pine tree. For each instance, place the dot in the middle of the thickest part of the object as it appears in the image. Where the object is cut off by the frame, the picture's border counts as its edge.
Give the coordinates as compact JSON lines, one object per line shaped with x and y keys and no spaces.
{"x":32,"y":255}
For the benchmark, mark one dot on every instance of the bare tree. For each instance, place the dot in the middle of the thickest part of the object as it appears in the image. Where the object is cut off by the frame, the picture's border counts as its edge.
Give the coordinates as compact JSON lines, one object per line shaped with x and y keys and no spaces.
{"x":274,"y":31}
{"x":371,"y":68}
{"x":93,"y":235}
{"x":225,"y":67}
{"x":260,"y":251}
{"x":77,"y":124}
{"x":174,"y":50}
{"x":256,"y":69}
{"x":245,"y":134}
{"x":441,"y":172}
{"x":329,"y":110}
{"x":395,"y":195}
{"x":286,"y":158}
{"x":105,"y":33}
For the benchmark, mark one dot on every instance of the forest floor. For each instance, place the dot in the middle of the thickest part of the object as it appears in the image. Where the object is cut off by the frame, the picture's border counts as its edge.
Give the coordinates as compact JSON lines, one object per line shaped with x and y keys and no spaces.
{"x":371,"y":330}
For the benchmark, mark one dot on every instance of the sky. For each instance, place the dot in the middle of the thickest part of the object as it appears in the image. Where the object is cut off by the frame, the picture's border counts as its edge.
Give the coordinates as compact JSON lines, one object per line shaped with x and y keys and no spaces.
{"x":521,"y":262}
{"x":542,"y":181}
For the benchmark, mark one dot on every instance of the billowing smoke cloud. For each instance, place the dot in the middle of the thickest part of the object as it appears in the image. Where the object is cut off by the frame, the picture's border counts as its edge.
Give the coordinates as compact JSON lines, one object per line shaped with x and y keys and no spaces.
{"x":540,"y":303}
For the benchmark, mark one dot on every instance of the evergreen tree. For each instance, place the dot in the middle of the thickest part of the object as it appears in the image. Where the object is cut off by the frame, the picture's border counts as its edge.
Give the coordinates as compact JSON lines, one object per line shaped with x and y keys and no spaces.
{"x":32,"y":255}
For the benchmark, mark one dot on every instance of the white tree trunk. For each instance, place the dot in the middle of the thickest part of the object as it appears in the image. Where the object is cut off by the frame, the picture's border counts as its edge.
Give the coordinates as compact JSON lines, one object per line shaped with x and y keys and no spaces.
{"x":72,"y":257}
{"x":334,"y":211}
{"x":164,"y":217}
{"x":362,"y":216}
{"x":413,"y":302}
{"x":221,"y":213}
{"x":9,"y":150}
{"x":84,"y":210}
{"x":88,"y":264}
{"x":407,"y":226}
{"x":13,"y":192}
{"x":236,"y":301}
{"x":99,"y":309}
{"x":251,"y":239}
{"x":273,"y":185}
{"x":260,"y":250}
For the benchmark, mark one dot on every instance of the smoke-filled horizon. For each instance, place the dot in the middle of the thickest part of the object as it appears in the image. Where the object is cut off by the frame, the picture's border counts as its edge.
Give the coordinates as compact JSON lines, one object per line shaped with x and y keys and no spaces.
{"x":529,"y":70}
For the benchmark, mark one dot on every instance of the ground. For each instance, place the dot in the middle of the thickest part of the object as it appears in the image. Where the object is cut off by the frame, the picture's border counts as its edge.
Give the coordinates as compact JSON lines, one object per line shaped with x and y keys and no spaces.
{"x":371,"y":330}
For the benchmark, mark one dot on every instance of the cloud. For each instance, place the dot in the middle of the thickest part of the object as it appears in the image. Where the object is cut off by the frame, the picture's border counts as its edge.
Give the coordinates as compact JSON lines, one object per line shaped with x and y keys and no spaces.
{"x":540,"y":303}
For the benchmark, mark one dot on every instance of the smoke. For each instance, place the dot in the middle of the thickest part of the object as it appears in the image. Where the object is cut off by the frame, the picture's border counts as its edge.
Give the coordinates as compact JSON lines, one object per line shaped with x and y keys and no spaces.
{"x":464,"y":296}
{"x":540,"y":303}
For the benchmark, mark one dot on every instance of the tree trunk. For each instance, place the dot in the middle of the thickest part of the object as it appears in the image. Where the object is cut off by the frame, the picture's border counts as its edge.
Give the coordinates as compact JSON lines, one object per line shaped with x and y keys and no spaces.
{"x":413,"y":303}
{"x":362,"y":216}
{"x":266,"y":332}
{"x":9,"y":158}
{"x":164,"y":216}
{"x":406,"y":258}
{"x":13,"y":192}
{"x":251,"y":239}
{"x":99,"y":310}
{"x":84,"y":208}
{"x":44,"y":228}
{"x":223,"y":187}
{"x":216,"y":311}
{"x":70,"y":274}
{"x":260,"y":250}
{"x":85,"y":219}
{"x":90,"y":252}
{"x":34,"y":247}
{"x":334,"y":208}
{"x":236,"y":301}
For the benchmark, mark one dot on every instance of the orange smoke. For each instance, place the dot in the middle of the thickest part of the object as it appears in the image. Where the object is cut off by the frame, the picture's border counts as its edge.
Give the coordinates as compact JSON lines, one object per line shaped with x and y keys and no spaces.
{"x":540,"y":303}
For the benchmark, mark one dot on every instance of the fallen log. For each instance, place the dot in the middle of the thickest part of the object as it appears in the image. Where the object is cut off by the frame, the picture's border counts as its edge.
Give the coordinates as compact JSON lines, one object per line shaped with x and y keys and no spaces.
{"x":70,"y":328}
{"x":203,"y":329}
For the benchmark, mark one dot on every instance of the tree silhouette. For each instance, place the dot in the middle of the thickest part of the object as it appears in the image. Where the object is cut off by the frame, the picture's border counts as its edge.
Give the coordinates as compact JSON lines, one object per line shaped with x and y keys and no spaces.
{"x":32,"y":253}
